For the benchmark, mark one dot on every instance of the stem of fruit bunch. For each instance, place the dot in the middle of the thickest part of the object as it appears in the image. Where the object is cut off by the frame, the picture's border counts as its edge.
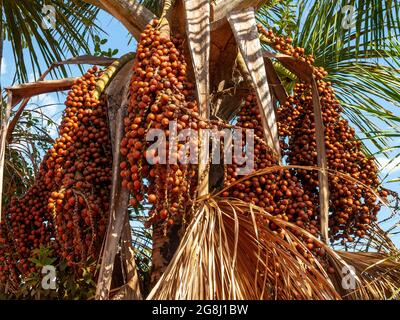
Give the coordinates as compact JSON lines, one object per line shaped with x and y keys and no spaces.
{"x":322,"y":163}
{"x":119,"y":198}
{"x":4,"y":126}
{"x":105,"y":78}
{"x":197,"y":23}
{"x":164,"y":25}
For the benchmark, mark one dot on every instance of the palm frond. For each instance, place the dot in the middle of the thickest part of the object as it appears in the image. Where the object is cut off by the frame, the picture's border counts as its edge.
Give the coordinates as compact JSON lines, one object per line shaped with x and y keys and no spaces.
{"x":32,"y":42}
{"x":379,"y":274}
{"x":226,"y":253}
{"x":321,"y":30}
{"x":31,"y":138}
{"x":279,"y":15}
{"x":211,"y":262}
{"x":359,"y":59}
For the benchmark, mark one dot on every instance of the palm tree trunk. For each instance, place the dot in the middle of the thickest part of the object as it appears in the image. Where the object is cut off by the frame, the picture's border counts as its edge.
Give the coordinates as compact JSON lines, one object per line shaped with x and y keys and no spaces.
{"x":119,"y":197}
{"x":132,"y":290}
{"x":164,"y":247}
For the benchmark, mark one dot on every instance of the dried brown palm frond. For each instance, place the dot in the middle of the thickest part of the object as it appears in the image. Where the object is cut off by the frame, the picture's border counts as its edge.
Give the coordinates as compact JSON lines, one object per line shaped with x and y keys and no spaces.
{"x":225,"y":254}
{"x":378,"y":274}
{"x":228,"y":253}
{"x":379,"y":282}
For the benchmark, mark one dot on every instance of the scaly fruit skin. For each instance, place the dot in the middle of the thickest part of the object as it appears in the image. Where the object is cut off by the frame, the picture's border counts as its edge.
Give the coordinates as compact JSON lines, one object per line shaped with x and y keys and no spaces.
{"x":66,"y":209}
{"x":159,"y":90}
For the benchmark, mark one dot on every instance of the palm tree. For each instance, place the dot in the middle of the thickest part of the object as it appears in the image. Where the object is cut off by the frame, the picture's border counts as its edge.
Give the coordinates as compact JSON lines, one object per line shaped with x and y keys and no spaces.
{"x":357,"y":54}
{"x":215,"y":254}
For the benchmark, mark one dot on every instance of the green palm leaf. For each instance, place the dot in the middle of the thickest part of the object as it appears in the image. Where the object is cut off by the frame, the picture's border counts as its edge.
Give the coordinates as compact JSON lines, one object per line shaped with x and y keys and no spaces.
{"x":362,"y":61}
{"x":32,"y":42}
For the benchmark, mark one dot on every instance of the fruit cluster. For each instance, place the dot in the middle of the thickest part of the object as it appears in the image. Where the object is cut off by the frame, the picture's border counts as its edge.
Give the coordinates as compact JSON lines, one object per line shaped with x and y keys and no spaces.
{"x":26,"y":225}
{"x":67,"y":207}
{"x":293,"y":195}
{"x":353,"y":202}
{"x":279,"y":192}
{"x":159,"y":92}
{"x":284,"y":45}
{"x":79,"y":172}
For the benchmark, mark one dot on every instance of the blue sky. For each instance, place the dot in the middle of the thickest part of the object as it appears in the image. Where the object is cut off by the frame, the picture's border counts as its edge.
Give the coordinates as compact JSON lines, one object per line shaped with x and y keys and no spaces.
{"x":118,"y":38}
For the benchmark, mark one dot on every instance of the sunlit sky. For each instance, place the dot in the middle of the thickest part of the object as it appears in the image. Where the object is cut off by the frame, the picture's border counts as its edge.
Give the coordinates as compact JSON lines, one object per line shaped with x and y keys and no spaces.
{"x":118,"y":38}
